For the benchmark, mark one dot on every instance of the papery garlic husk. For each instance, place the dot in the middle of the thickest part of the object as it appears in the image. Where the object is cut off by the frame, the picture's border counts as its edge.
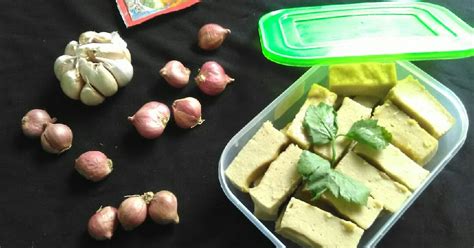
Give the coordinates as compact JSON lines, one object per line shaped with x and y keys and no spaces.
{"x":101,"y":62}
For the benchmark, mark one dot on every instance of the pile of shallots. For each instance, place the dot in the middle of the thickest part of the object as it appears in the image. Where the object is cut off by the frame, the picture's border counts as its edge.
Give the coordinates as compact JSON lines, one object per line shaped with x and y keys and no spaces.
{"x":162,"y":207}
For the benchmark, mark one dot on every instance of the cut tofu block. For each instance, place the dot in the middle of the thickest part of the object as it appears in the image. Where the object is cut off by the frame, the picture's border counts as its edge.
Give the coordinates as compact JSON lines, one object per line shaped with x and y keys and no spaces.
{"x":310,"y":226}
{"x":364,"y":216}
{"x":255,"y":156}
{"x":316,"y":95}
{"x":395,"y":163}
{"x":277,"y":184}
{"x":407,"y":135}
{"x":349,"y":112}
{"x":391,"y":194}
{"x":367,"y":101}
{"x":412,"y":97}
{"x":367,"y":79}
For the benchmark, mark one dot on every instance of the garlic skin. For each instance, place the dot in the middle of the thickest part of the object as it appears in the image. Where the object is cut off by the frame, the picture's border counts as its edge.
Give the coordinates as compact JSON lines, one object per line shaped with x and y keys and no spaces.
{"x":151,"y":119}
{"x":34,"y":122}
{"x":132,"y":212}
{"x":93,"y":165}
{"x":175,"y":73}
{"x":95,"y":67}
{"x":56,"y":138}
{"x":103,"y":223}
{"x":211,"y":36}
{"x":163,"y":208}
{"x":187,"y":112}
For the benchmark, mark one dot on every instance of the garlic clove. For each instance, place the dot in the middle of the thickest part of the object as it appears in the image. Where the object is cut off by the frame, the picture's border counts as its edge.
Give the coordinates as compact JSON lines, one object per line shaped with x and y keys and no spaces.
{"x":121,"y":69}
{"x":71,"y":48}
{"x":62,"y":64}
{"x":104,"y":50}
{"x":98,"y":76}
{"x":94,"y":37}
{"x":71,"y":84}
{"x":116,"y":39}
{"x":89,"y":96}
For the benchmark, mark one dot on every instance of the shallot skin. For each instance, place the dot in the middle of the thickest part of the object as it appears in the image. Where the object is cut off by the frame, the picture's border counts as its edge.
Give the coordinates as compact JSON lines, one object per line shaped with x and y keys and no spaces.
{"x":34,"y":122}
{"x":211,"y":36}
{"x":56,"y":138}
{"x":103,"y":223}
{"x":187,"y":112}
{"x":212,"y":79}
{"x":151,"y":119}
{"x":93,"y":165}
{"x":175,"y":73}
{"x":163,"y":208}
{"x":132,"y":212}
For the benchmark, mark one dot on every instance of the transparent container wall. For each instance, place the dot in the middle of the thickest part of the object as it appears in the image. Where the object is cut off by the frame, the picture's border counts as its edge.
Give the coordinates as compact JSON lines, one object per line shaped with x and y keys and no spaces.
{"x":282,"y":110}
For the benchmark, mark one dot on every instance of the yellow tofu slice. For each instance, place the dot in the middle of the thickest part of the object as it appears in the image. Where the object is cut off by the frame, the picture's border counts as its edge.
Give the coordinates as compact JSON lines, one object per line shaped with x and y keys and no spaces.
{"x":367,"y":101}
{"x":277,"y":184}
{"x":316,"y":95}
{"x":310,"y":226}
{"x":395,"y":163}
{"x":349,"y":112}
{"x":255,"y":156}
{"x":367,"y":79}
{"x":391,"y":194}
{"x":412,"y":97}
{"x":407,"y":135}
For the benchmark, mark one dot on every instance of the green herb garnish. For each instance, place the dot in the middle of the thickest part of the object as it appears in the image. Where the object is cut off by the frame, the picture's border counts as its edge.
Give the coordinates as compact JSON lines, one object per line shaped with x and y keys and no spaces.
{"x":369,"y":133}
{"x":319,"y":178}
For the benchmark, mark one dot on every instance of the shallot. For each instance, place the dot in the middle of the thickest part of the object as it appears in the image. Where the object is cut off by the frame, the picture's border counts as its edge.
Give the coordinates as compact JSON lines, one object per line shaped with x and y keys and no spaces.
{"x":212,"y":78}
{"x":175,"y":73}
{"x":93,"y":165}
{"x":103,"y":223}
{"x":56,"y":138}
{"x":151,"y":119}
{"x":187,"y":112}
{"x":34,"y":122}
{"x":211,"y":36}
{"x":163,"y":208}
{"x":132,"y":212}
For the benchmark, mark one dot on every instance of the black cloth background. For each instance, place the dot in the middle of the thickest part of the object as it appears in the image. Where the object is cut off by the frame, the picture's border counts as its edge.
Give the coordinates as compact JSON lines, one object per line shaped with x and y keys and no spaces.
{"x":45,"y":203}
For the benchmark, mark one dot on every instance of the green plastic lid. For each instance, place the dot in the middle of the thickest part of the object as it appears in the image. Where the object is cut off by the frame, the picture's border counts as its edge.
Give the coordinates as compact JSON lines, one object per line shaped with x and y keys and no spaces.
{"x":384,"y":31}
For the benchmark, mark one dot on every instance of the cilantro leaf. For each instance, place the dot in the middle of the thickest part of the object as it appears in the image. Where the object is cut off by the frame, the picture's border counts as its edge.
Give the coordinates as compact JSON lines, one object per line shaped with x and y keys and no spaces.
{"x":369,"y":133}
{"x":320,"y":178}
{"x":320,"y":123}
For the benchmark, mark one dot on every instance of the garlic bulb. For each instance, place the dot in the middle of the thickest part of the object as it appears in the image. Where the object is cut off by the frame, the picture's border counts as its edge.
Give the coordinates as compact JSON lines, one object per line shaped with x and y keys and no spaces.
{"x":94,"y":67}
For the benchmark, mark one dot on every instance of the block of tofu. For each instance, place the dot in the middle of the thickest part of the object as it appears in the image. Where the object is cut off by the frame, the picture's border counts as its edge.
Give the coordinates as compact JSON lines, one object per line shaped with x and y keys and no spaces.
{"x":310,"y":226}
{"x":407,"y":135}
{"x":364,"y":216}
{"x":366,"y":79}
{"x":367,"y":101}
{"x":412,"y":97}
{"x":349,"y":112}
{"x":316,"y":95}
{"x":391,"y":194}
{"x":255,"y":156}
{"x":277,"y":184}
{"x":395,"y":163}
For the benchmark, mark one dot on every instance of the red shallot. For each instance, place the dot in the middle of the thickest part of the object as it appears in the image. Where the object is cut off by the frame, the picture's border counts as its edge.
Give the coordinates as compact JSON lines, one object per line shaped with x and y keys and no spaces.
{"x":187,"y":112}
{"x":212,"y":78}
{"x":175,"y":73}
{"x":151,"y":119}
{"x":211,"y":36}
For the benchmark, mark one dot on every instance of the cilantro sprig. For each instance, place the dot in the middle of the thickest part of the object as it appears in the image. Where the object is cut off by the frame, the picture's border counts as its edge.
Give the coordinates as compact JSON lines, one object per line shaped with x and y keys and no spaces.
{"x":320,"y":177}
{"x":320,"y":123}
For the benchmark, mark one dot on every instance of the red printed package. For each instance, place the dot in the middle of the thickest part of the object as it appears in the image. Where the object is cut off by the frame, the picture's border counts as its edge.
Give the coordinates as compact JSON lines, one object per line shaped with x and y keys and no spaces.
{"x":135,"y":12}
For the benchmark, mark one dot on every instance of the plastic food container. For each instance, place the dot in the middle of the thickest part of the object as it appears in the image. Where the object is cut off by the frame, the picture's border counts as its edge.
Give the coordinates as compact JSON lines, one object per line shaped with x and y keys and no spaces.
{"x":321,"y":35}
{"x":283,"y":109}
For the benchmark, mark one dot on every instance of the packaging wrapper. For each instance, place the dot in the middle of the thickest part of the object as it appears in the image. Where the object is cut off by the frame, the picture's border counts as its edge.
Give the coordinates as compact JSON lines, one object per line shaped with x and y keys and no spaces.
{"x":135,"y":12}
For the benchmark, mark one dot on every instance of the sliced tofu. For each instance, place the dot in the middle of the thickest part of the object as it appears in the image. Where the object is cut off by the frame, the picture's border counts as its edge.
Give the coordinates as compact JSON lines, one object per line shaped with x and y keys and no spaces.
{"x":277,"y":184}
{"x":255,"y":156}
{"x":316,"y":95}
{"x":367,"y":79}
{"x":412,"y":97}
{"x":391,"y":194}
{"x":395,"y":163}
{"x":367,"y":101}
{"x":407,"y":135}
{"x":349,"y":112}
{"x":310,"y":226}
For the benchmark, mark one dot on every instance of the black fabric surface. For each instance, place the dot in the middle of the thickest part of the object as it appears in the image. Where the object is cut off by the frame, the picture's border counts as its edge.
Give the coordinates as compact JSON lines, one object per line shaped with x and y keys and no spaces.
{"x":45,"y":203}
